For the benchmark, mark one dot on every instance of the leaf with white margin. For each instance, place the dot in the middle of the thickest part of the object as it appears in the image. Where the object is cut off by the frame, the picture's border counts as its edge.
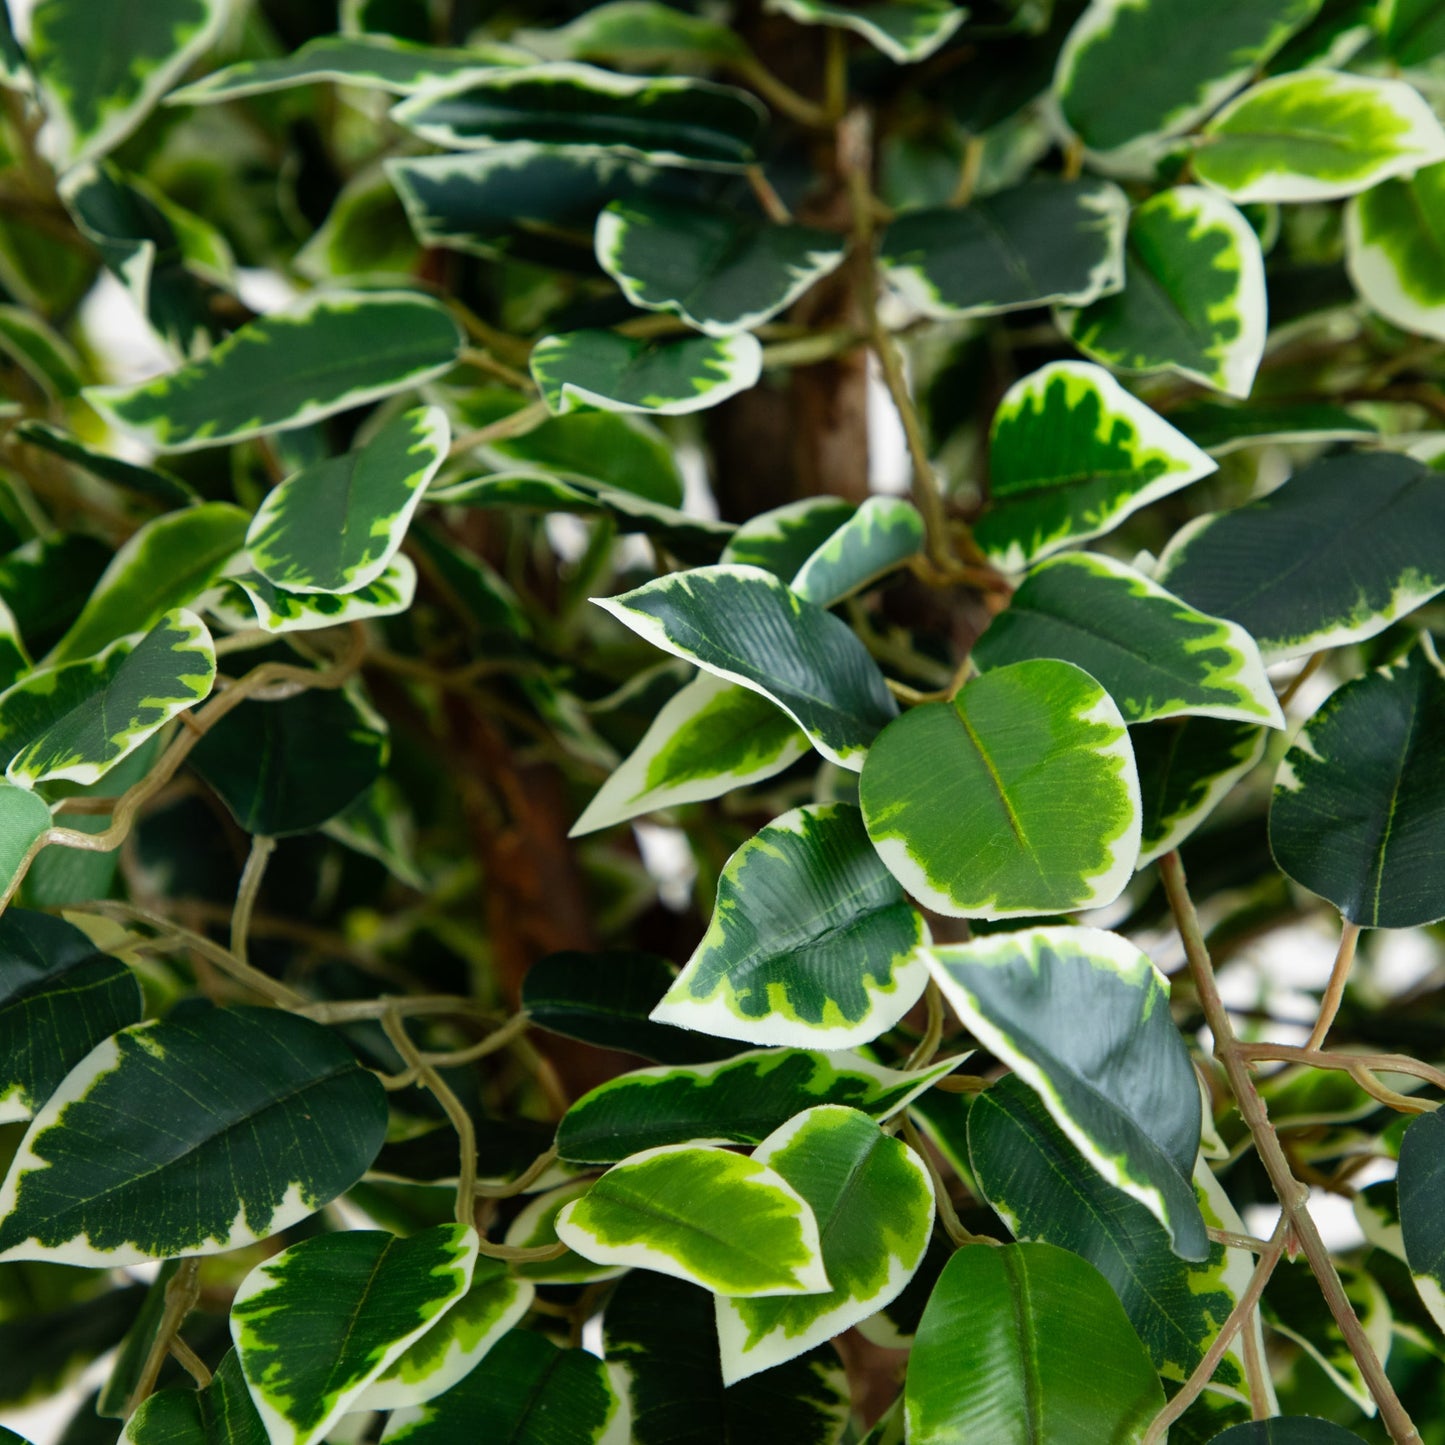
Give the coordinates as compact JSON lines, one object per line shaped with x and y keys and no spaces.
{"x":1395,"y":250}
{"x":719,"y":270}
{"x":24,"y":820}
{"x":101,"y":79}
{"x":880,"y":536}
{"x":745,"y":626}
{"x":905,"y":31}
{"x":342,"y":348}
{"x":812,"y":942}
{"x":1017,"y":798}
{"x":1187,"y":767}
{"x":665,"y":120}
{"x":525,"y":1391}
{"x":1317,"y":135}
{"x":77,"y":721}
{"x":45,"y":356}
{"x":660,"y":377}
{"x":247,"y":599}
{"x":740,"y":1100}
{"x":150,"y":482}
{"x":782,"y":539}
{"x":1045,"y":241}
{"x":1421,"y":1183}
{"x":638,"y":35}
{"x":1306,"y":567}
{"x":220,"y":1414}
{"x":1082,"y":1016}
{"x":369,"y":62}
{"x":873,"y":1199}
{"x":14,"y":69}
{"x":196,"y":1134}
{"x":317,"y":1323}
{"x":703,"y":1214}
{"x":334,"y":526}
{"x":1071,"y":454}
{"x":536,"y":1227}
{"x":1222,"y":427}
{"x":1117,"y":99}
{"x":1156,"y":656}
{"x":453,"y":1346}
{"x":1193,"y":300}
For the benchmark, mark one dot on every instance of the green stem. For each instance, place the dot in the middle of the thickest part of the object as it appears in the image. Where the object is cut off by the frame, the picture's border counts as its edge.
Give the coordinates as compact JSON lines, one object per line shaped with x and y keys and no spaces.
{"x":261,"y":849}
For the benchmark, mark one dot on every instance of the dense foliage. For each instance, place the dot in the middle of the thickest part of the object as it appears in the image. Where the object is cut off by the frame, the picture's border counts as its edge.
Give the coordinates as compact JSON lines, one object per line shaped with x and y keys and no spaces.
{"x":767,"y":1005}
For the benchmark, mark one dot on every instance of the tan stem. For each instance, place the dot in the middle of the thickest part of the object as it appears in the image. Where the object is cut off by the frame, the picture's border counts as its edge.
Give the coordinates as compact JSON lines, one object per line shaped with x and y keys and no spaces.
{"x":261,"y":849}
{"x":181,"y":1295}
{"x":1335,"y":990}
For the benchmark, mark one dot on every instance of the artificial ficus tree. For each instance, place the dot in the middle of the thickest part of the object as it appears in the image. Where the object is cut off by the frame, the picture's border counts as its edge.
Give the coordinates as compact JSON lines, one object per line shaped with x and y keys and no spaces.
{"x":767,"y":1004}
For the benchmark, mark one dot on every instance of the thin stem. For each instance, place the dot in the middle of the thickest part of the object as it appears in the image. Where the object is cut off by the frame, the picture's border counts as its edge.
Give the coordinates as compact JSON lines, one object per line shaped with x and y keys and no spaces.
{"x":522,"y":1254}
{"x":1293,"y":1196}
{"x":1312,"y":666}
{"x":779,"y":95}
{"x":953,"y":1226}
{"x":922,"y":1056}
{"x":181,"y":1295}
{"x":1335,"y":990}
{"x":835,"y":74}
{"x":514,"y":424}
{"x":1347,"y":1063}
{"x":485,"y":362}
{"x":772,"y":203}
{"x":191,"y":1362}
{"x":524,"y":1181}
{"x":261,"y":849}
{"x":499,"y":1038}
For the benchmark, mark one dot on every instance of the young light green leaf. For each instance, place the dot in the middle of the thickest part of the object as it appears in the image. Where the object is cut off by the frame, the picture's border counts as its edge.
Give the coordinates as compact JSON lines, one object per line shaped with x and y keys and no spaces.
{"x":24,"y":820}
{"x":664,"y":378}
{"x":331,"y":352}
{"x":1193,"y":300}
{"x":99,"y":81}
{"x":526,"y":1391}
{"x":1027,"y":1342}
{"x":452,"y":1347}
{"x":881,"y":535}
{"x":734,"y":1101}
{"x":1017,"y":798}
{"x":906,"y":31}
{"x":1221,"y":427}
{"x":1082,"y":1016}
{"x":1306,"y":568}
{"x":703,"y":1214}
{"x":59,"y":998}
{"x":1186,"y":769}
{"x":1359,"y":800}
{"x":812,"y":941}
{"x":335,"y":526}
{"x":78,"y":720}
{"x":1421,"y":1182}
{"x":743,"y":625}
{"x":1040,"y":242}
{"x":322,"y":1320}
{"x":150,"y":482}
{"x":365,"y":238}
{"x":720,"y":271}
{"x":1395,"y":250}
{"x":873,"y":1199}
{"x":196,"y":1134}
{"x":1071,"y":455}
{"x":665,"y":120}
{"x":220,"y":1414}
{"x":167,"y":563}
{"x":1316,"y":135}
{"x":1153,"y":654}
{"x":1116,"y":97}
{"x":247,"y":599}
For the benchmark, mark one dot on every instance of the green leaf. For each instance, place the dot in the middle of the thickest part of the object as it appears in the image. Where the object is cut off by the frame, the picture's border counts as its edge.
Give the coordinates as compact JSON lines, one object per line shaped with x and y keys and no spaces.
{"x":1017,"y":798}
{"x":220,"y":1414}
{"x":1040,"y":242}
{"x":526,"y":1391}
{"x":149,"y":482}
{"x":1359,"y":800}
{"x":24,"y":819}
{"x":334,"y":526}
{"x":743,"y":625}
{"x":1083,"y":1017}
{"x":1193,"y":300}
{"x":873,"y":1200}
{"x":1395,"y":250}
{"x":319,"y":1322}
{"x":1112,"y":90}
{"x":782,"y":539}
{"x":904,"y":30}
{"x":661,"y":1342}
{"x":1288,"y":1430}
{"x":1422,"y":1220}
{"x":290,"y":766}
{"x":812,"y":941}
{"x":331,"y":352}
{"x":1153,"y":654}
{"x":1220,"y":428}
{"x":992,"y":1363}
{"x":101,"y":79}
{"x":720,"y":271}
{"x":369,"y":62}
{"x":665,"y":120}
{"x":14,"y":69}
{"x":1315,"y":135}
{"x":59,"y":997}
{"x":638,"y":34}
{"x":1306,"y":567}
{"x":1411,"y":31}
{"x":1186,"y":769}
{"x":167,"y":564}
{"x":536,"y":1227}
{"x":1071,"y":455}
{"x":734,"y":1101}
{"x":77,"y":721}
{"x":703,"y":1214}
{"x":44,"y":581}
{"x":664,"y":378}
{"x":247,"y":599}
{"x":365,"y":238}
{"x":880,"y":536}
{"x":1036,"y":1180}
{"x":192,"y":1135}
{"x":452,"y":1347}
{"x":42,"y":353}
